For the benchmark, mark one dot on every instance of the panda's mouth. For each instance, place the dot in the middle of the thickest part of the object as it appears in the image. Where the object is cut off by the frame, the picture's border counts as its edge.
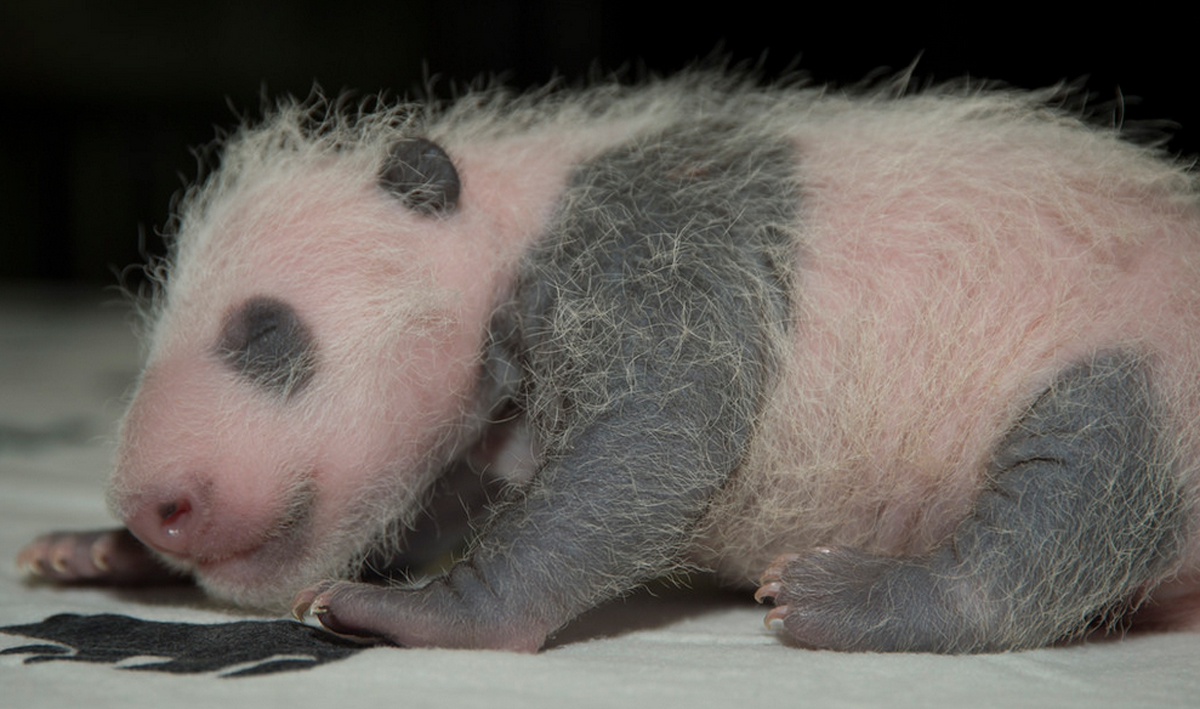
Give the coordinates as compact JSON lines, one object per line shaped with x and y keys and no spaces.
{"x":261,"y":568}
{"x":266,"y":576}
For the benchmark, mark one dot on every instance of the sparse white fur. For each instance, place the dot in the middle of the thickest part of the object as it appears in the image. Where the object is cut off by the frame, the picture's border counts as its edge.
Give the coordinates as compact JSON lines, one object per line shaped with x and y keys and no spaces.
{"x":955,"y":249}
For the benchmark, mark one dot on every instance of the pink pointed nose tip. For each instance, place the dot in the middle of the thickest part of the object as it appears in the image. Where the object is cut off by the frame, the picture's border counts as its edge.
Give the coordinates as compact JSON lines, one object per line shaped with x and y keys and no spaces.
{"x":165,"y":525}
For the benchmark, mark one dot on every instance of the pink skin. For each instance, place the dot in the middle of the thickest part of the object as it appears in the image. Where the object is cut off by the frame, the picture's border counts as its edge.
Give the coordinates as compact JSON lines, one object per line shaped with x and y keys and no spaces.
{"x":235,"y":487}
{"x":224,"y":507}
{"x":258,"y":497}
{"x":261,"y":498}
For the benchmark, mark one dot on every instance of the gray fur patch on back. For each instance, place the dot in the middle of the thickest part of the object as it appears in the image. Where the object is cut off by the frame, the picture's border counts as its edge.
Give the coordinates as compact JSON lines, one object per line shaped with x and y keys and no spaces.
{"x":667,"y":245}
{"x":647,"y":327}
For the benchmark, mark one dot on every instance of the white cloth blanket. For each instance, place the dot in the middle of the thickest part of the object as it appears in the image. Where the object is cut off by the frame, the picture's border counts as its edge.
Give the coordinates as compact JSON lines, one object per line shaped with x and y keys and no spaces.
{"x":65,"y":361}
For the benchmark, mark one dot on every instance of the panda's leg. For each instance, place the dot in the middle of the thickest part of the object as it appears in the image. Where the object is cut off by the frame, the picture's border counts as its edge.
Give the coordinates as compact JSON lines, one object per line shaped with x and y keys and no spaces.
{"x":1080,"y":512}
{"x":110,"y":556}
{"x":647,"y":326}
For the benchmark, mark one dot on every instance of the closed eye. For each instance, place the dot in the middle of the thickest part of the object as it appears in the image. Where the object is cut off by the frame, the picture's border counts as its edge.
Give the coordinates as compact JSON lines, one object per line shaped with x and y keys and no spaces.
{"x":265,"y":341}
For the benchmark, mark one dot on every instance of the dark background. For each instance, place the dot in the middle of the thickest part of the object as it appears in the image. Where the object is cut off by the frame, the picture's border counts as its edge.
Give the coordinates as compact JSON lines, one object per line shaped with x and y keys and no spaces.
{"x":102,"y":101}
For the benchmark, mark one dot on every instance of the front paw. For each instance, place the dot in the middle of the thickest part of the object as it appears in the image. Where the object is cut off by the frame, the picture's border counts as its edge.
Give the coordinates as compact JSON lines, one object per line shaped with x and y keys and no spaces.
{"x":108,"y":556}
{"x":431,"y":616}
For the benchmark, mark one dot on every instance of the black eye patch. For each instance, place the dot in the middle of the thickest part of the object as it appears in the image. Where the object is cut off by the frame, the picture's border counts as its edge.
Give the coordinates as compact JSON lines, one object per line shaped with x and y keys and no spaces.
{"x":265,"y":341}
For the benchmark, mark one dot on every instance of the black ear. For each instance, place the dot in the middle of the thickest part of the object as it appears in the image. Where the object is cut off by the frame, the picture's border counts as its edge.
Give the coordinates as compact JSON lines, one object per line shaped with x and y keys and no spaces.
{"x":421,"y":175}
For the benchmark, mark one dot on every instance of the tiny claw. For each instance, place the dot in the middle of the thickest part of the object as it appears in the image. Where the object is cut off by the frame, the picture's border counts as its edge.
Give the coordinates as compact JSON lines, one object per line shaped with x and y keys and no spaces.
{"x":301,"y":608}
{"x":100,"y":556}
{"x":774,"y":619}
{"x":313,"y":619}
{"x":774,"y":571}
{"x":27,"y":564}
{"x":309,"y":602}
{"x":768,"y":592}
{"x":58,"y":562}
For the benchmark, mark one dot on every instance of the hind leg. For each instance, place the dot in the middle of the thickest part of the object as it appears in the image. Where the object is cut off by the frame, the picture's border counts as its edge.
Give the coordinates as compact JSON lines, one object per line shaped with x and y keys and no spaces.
{"x":1080,"y":513}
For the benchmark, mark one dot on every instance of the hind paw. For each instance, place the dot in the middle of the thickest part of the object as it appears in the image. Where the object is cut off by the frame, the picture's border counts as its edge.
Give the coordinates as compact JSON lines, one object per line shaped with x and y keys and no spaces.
{"x":845,"y":599}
